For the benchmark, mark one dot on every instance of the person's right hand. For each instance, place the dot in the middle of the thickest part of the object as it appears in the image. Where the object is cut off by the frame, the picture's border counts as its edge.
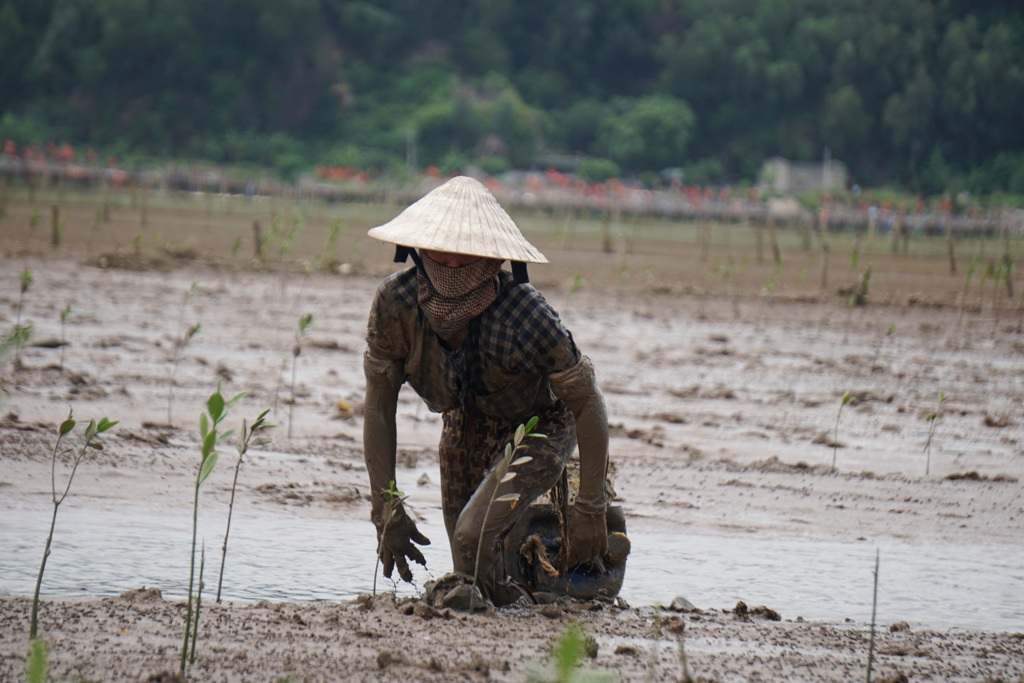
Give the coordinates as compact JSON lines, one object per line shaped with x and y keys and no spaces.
{"x":395,"y":544}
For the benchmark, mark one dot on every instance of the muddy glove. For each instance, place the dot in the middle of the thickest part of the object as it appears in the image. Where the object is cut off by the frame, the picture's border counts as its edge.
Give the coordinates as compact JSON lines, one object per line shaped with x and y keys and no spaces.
{"x":588,"y":534}
{"x":395,"y":538}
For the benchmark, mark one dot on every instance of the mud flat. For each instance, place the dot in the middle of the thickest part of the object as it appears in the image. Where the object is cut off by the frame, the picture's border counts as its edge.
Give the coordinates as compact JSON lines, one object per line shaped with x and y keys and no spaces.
{"x":724,"y":395}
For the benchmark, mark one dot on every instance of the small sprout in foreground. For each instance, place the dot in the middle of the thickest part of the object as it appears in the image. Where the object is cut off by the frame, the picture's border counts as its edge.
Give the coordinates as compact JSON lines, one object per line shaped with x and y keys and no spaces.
{"x":245,"y":439}
{"x":89,"y":446}
{"x":835,"y":439}
{"x":209,"y":439}
{"x":300,"y":334}
{"x":503,"y":474}
{"x":932,"y":418}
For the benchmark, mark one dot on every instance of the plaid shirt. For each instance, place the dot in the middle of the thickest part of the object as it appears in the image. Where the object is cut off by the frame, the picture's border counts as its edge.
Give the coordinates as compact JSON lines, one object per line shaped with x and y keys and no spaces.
{"x":500,"y":369}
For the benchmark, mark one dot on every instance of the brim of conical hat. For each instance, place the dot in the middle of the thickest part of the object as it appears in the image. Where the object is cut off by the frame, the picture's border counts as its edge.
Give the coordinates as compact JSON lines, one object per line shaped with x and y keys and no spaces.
{"x":463,"y":217}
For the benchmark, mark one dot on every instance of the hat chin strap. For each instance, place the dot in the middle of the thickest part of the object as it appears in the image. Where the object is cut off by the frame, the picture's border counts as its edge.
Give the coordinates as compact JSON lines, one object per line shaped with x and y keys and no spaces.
{"x":403,"y":253}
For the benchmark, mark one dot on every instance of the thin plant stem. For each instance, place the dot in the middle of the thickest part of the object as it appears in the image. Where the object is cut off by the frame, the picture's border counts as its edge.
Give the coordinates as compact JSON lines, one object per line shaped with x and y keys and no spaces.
{"x":224,"y":548}
{"x":835,"y":438}
{"x":874,"y":609}
{"x":479,"y":547}
{"x":191,"y":578}
{"x":199,"y":601}
{"x":291,"y":404}
{"x":34,"y":622}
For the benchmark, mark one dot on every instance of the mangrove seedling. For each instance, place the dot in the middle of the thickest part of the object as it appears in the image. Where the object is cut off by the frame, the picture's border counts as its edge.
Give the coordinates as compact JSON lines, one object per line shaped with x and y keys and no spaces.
{"x":878,"y":347}
{"x":874,"y":611}
{"x":862,"y":291}
{"x":245,"y":439}
{"x":567,"y":654}
{"x":181,"y":340}
{"x":932,"y":418}
{"x":300,"y":335}
{"x":179,"y":348}
{"x":64,"y":315}
{"x":835,"y":438}
{"x":18,"y":336}
{"x":216,"y":411}
{"x":503,"y":474}
{"x":392,"y":499}
{"x":89,"y":445}
{"x":330,"y":259}
{"x":26,"y":282}
{"x":967,"y":283}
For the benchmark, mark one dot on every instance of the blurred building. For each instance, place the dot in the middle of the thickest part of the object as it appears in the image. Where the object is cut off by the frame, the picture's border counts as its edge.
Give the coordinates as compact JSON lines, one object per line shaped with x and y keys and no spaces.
{"x":789,"y":177}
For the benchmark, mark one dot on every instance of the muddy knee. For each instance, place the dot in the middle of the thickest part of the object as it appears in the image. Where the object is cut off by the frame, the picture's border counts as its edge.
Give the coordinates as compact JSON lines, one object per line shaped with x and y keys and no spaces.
{"x":464,"y":544}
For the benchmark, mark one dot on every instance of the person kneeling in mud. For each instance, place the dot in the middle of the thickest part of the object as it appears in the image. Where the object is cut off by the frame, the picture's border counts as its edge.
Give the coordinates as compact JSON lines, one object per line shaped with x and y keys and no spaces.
{"x":482,"y":347}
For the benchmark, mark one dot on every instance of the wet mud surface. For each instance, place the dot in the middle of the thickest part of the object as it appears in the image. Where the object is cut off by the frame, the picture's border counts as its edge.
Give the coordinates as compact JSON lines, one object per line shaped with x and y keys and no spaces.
{"x":725,"y":405}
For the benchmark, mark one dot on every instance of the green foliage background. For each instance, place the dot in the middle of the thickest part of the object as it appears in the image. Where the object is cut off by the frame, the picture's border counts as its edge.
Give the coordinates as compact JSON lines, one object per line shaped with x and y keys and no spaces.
{"x":927,"y":95}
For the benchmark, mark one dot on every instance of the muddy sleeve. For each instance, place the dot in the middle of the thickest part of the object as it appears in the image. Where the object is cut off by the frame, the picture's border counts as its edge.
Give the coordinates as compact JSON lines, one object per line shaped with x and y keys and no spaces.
{"x":380,"y":438}
{"x":577,"y":386}
{"x":383,"y":366}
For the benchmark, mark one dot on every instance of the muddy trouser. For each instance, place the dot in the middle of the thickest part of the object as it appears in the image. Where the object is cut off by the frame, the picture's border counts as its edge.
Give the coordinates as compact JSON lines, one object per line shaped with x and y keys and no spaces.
{"x":471,"y":444}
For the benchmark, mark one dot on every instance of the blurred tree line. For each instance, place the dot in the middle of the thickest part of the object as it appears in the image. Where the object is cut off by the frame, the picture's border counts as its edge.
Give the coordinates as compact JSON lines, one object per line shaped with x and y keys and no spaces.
{"x":927,"y":95}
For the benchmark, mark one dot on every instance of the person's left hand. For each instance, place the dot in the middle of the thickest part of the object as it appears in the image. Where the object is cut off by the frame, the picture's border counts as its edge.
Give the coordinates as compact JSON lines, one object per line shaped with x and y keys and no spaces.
{"x":588,"y":537}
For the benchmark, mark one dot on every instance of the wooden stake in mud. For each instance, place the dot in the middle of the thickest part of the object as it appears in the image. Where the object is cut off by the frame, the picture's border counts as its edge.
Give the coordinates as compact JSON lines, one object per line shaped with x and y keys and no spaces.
{"x":905,"y":234}
{"x":143,"y":217}
{"x":824,"y":266}
{"x":949,"y":244}
{"x":55,"y":225}
{"x":606,"y":237}
{"x":257,"y":238}
{"x":1007,"y":261}
{"x":759,"y":232}
{"x":773,"y":236}
{"x":705,"y":238}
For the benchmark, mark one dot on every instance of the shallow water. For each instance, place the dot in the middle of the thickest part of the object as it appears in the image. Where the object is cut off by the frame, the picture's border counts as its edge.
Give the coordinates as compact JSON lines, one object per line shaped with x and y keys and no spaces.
{"x":285,"y":556}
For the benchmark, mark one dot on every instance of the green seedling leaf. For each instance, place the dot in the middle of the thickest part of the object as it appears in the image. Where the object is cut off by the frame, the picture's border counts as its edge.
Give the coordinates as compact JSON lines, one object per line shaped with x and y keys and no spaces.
{"x":539,"y":436}
{"x":105,"y":425}
{"x":235,"y":399}
{"x":507,"y":498}
{"x":207,"y":467}
{"x":568,"y":653}
{"x":846,"y":398}
{"x":209,"y":443}
{"x":225,"y":436}
{"x":508,"y":451}
{"x":215,"y":405}
{"x":508,"y":477}
{"x":204,"y":426}
{"x":520,"y":433}
{"x":95,"y":445}
{"x":66,"y":426}
{"x":521,"y":461}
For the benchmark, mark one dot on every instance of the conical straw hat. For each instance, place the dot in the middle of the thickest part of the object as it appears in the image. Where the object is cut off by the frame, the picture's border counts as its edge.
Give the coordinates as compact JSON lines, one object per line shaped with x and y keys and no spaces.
{"x":463,"y":217}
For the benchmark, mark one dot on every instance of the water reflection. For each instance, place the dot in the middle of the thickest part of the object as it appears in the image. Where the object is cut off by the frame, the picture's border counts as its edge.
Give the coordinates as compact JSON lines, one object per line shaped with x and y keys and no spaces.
{"x":287,"y":556}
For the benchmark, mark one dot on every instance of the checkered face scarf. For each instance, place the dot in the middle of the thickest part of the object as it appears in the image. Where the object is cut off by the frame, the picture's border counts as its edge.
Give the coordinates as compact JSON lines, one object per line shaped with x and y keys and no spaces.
{"x":451,"y":297}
